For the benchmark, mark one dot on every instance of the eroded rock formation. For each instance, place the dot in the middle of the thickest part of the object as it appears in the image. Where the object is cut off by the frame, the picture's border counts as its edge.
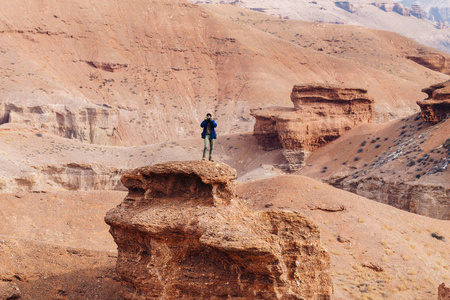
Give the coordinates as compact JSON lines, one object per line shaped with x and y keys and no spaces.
{"x":345,"y":5}
{"x":437,"y":106}
{"x":181,"y":233}
{"x":424,"y":199}
{"x":320,"y":115}
{"x":433,"y":61}
{"x":96,"y":124}
{"x":83,"y":177}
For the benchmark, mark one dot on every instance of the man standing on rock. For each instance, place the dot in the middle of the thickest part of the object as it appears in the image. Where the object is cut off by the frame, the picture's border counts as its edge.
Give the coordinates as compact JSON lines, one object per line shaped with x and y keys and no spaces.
{"x":208,"y":134}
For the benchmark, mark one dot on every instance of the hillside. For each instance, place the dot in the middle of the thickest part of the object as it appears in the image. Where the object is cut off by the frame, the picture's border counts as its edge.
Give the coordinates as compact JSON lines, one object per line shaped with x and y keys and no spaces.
{"x":363,"y":14}
{"x":134,"y":74}
{"x":402,"y":163}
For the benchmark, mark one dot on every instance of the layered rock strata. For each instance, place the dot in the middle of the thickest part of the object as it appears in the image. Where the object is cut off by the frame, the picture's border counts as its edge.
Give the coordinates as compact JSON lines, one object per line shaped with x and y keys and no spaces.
{"x":434,"y":61}
{"x":320,"y":115}
{"x":96,"y":124}
{"x":437,"y":106}
{"x":181,"y":233}
{"x":423,"y":199}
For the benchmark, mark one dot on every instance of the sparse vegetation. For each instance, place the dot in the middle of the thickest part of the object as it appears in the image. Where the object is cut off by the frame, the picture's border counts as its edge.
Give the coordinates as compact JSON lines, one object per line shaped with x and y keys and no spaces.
{"x":446,"y":144}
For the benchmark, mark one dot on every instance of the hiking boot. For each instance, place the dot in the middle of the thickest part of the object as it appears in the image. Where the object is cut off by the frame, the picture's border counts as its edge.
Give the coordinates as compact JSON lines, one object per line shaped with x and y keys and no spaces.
{"x":204,"y":158}
{"x":211,"y":159}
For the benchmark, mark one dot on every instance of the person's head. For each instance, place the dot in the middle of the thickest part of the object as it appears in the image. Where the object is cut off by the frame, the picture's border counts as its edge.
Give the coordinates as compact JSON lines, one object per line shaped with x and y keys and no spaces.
{"x":208,"y":115}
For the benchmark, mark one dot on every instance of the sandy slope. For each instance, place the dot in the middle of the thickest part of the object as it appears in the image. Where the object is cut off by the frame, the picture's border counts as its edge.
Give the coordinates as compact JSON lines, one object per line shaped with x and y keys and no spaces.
{"x":367,"y":15}
{"x":56,"y":245}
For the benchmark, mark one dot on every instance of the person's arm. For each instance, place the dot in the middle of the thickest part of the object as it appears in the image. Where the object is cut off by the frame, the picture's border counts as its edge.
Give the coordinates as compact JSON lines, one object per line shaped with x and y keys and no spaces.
{"x":213,"y":123}
{"x":203,"y":124}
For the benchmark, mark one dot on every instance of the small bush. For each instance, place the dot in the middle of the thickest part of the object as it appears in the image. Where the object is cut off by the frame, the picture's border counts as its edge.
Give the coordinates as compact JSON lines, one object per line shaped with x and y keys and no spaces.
{"x":363,"y":143}
{"x":446,"y":144}
{"x":411,"y":163}
{"x":356,"y":158}
{"x":377,"y":146}
{"x":360,"y":150}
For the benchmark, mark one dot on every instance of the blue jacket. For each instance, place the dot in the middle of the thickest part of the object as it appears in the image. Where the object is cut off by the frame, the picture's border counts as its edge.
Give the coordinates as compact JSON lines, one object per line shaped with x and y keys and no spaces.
{"x":213,"y":131}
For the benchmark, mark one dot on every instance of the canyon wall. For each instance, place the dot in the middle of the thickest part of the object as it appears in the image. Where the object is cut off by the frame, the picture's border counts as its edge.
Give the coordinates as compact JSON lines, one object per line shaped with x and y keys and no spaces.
{"x":182,"y":233}
{"x":424,"y":199}
{"x":404,"y":163}
{"x":320,"y":115}
{"x":95,"y":124}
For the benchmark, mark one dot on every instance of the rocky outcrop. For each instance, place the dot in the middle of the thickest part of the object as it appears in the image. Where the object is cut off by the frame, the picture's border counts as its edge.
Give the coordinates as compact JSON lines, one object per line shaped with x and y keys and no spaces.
{"x":87,"y":123}
{"x":345,"y":5}
{"x":181,"y":233}
{"x":83,"y":177}
{"x":107,"y":66}
{"x":387,"y":7}
{"x":437,"y":106}
{"x":401,"y":10}
{"x":443,"y":292}
{"x":423,"y":199}
{"x":320,"y":115}
{"x":418,"y":12}
{"x":434,"y":61}
{"x":9,"y":291}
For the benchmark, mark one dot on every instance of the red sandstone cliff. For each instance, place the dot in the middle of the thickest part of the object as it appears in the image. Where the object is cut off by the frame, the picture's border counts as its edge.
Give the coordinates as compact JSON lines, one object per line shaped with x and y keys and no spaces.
{"x":403,"y":163}
{"x":181,"y":233}
{"x":437,"y":106}
{"x":321,"y":114}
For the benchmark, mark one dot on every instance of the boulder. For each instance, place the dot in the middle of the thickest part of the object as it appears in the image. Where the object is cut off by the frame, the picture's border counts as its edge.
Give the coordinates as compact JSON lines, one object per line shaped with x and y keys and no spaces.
{"x":320,"y":115}
{"x":436,"y":107}
{"x":181,"y":233}
{"x":443,"y":292}
{"x":9,"y":291}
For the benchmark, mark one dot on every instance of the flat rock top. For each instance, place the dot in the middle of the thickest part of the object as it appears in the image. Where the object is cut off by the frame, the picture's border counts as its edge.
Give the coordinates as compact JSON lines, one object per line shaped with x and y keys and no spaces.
{"x":315,"y":87}
{"x":329,"y":92}
{"x":438,"y":92}
{"x":208,"y":171}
